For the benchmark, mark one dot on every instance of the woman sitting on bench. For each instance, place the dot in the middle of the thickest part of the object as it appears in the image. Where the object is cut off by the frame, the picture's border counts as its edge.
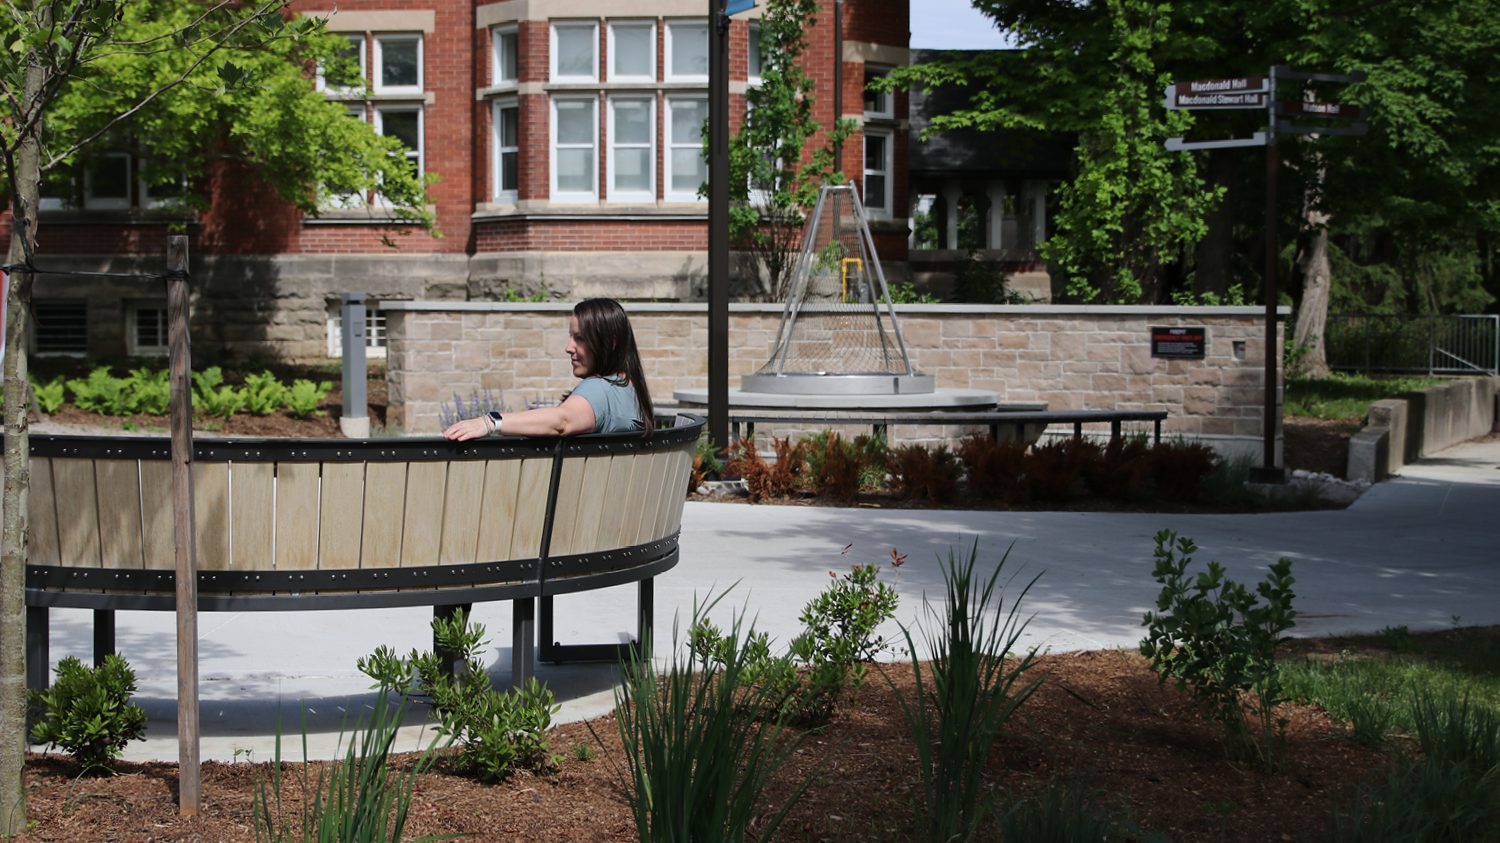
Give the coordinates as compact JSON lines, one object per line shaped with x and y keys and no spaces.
{"x":612,"y":397}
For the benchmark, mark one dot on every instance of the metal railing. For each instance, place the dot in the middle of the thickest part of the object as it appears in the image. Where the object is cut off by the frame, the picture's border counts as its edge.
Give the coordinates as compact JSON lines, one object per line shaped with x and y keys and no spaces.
{"x":1431,"y":344}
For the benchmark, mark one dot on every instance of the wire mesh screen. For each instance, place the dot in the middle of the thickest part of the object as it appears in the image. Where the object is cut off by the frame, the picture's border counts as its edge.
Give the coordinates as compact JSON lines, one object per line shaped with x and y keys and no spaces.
{"x":838,"y":319}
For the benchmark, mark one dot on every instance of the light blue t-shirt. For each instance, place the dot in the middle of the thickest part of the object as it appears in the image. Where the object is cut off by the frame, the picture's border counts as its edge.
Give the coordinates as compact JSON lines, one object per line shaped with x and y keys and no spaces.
{"x":613,"y":400}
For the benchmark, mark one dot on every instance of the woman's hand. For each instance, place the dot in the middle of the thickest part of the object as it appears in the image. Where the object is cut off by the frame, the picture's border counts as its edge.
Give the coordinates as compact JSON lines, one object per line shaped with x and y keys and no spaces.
{"x":475,"y":428}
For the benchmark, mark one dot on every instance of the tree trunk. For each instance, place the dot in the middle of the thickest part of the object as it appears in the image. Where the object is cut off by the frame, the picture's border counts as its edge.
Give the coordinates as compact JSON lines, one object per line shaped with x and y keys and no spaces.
{"x":13,"y":532}
{"x":1211,"y":257}
{"x":1311,"y":358}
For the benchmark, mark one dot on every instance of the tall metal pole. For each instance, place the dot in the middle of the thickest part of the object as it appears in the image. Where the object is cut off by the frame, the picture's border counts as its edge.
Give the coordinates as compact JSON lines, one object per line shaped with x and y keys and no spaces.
{"x":188,"y":796}
{"x":718,"y":225}
{"x":1269,"y":471}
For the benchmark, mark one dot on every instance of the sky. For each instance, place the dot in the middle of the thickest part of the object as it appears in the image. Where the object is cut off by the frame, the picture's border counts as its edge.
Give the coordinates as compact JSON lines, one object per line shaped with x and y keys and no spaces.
{"x":952,"y":25}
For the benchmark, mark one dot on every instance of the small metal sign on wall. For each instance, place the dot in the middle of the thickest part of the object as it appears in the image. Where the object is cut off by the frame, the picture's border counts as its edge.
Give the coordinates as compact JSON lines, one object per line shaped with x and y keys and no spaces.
{"x":1179,"y":343}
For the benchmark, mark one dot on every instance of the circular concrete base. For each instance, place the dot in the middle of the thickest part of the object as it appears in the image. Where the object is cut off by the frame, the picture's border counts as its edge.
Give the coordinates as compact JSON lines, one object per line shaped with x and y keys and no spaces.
{"x":941,"y":399}
{"x":811,"y":384}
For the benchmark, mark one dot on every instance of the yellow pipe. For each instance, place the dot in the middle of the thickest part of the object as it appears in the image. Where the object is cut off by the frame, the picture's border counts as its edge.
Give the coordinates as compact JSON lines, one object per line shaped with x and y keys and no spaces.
{"x":844,"y":274}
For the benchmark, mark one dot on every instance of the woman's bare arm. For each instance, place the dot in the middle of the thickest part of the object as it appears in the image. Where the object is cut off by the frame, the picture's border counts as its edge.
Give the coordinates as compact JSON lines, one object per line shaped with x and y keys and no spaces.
{"x":570,"y":418}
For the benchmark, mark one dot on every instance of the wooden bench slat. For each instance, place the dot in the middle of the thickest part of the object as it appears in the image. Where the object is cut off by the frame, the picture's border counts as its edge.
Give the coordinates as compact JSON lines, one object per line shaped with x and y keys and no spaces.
{"x":616,"y":502}
{"x":211,"y":515}
{"x":565,"y":522}
{"x":684,"y":471}
{"x":531,"y":508}
{"x":502,"y":479}
{"x":120,"y":513}
{"x":651,"y":495}
{"x":674,"y":491}
{"x":296,"y":530}
{"x":463,"y":498}
{"x":385,"y":507}
{"x":593,"y":503}
{"x":42,"y":507}
{"x":77,"y":511}
{"x":156,"y":514}
{"x":422,"y":537}
{"x":252,"y":537}
{"x":341,"y":507}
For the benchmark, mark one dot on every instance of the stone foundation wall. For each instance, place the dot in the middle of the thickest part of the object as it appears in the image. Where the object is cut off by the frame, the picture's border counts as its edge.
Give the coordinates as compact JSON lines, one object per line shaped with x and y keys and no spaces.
{"x":1069,"y":357}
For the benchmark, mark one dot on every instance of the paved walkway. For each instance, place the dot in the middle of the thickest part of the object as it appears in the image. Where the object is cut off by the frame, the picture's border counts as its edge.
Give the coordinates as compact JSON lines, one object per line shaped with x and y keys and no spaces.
{"x":1420,"y":550}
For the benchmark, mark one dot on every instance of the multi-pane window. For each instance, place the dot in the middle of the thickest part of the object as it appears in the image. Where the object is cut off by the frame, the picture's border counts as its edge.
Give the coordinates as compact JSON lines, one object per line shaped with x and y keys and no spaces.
{"x":106,"y":182}
{"x":753,"y":55}
{"x":632,"y":150}
{"x":632,"y":52}
{"x":878,"y":171}
{"x":62,"y":327}
{"x":398,"y":64}
{"x":687,"y":51}
{"x":574,"y":52}
{"x":146,"y":328}
{"x":345,"y":73}
{"x":687,"y":172}
{"x":504,"y":56}
{"x":403,"y":122}
{"x":877,"y":103}
{"x":574,"y":134}
{"x":375,"y":344}
{"x":507,"y":119}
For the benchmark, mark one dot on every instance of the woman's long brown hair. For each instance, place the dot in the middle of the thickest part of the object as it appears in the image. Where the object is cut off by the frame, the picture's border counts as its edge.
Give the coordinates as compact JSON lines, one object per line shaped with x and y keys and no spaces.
{"x":605,"y":329}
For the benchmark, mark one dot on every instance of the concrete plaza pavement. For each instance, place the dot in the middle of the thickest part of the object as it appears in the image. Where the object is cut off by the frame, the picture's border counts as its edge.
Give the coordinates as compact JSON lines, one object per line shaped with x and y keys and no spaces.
{"x":1419,"y":550}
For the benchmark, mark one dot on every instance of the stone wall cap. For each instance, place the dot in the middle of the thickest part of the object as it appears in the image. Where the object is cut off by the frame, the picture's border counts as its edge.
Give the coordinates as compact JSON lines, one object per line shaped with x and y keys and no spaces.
{"x":1035,"y":310}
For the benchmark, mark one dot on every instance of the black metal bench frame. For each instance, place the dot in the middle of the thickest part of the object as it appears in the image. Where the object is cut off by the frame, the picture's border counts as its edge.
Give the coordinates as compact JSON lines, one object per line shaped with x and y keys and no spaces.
{"x":995,"y":421}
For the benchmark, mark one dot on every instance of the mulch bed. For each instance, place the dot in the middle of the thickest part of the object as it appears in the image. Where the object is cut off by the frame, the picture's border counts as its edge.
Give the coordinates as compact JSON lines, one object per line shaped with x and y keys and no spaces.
{"x":1099,"y":720}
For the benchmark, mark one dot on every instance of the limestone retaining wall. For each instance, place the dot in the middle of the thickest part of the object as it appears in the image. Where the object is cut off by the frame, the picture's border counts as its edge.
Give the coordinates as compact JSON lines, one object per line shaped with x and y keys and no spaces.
{"x":1401,"y":430}
{"x":1069,"y":357}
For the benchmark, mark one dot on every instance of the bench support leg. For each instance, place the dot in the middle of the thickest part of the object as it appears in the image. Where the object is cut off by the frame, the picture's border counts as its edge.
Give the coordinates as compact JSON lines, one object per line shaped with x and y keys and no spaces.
{"x":645,"y":607}
{"x":552,"y":651}
{"x":448,"y":660}
{"x":104,"y":635}
{"x":38,"y":662}
{"x":522,"y":641}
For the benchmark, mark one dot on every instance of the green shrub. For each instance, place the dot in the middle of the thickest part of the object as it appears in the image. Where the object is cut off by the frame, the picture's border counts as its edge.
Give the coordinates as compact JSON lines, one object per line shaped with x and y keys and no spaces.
{"x":701,"y":742}
{"x":87,"y":711}
{"x":1217,"y":640}
{"x":150,"y":391}
{"x":48,"y":396}
{"x":212,"y":398}
{"x":706,"y":462}
{"x":264,"y":394}
{"x":303,"y":398}
{"x":497,"y":731}
{"x":976,"y":685}
{"x":101,"y":393}
{"x":357,"y":800}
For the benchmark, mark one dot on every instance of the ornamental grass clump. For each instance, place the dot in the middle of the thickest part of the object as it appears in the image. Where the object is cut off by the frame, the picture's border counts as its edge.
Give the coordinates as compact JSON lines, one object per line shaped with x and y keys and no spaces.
{"x":976,"y":684}
{"x":701,"y":741}
{"x":1218,"y":641}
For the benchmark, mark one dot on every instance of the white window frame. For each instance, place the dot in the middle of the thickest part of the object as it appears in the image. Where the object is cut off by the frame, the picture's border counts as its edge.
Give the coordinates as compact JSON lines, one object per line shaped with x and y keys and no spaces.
{"x":498,"y":56}
{"x":593,"y":28}
{"x":672,"y":26}
{"x":672,"y":144}
{"x":888,"y":99}
{"x":359,"y":41}
{"x":593,"y":146}
{"x":890,"y":156}
{"x":375,"y":343}
{"x":753,"y":70}
{"x":378,"y":65}
{"x":35,"y":333}
{"x":616,"y":194}
{"x":497,"y":190}
{"x":158,"y":202}
{"x":650,"y":27}
{"x":107,"y":203}
{"x":133,"y":312}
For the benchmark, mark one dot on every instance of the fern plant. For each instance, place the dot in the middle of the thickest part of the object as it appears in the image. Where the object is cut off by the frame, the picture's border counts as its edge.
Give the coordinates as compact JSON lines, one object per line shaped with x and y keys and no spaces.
{"x":303,"y":398}
{"x":101,"y":392}
{"x":150,"y":391}
{"x":264,"y":394}
{"x":48,"y":397}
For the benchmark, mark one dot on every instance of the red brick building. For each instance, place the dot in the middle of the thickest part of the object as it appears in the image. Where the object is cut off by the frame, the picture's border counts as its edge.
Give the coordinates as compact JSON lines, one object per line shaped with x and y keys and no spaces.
{"x":565,"y":137}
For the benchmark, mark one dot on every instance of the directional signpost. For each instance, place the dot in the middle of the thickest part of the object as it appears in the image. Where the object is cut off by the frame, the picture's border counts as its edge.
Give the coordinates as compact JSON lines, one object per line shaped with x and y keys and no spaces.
{"x":1256,"y":92}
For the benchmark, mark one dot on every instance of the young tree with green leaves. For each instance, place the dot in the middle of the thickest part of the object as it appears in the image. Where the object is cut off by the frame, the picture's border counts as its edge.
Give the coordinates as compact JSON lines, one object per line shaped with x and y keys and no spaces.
{"x":192,"y":83}
{"x":777,"y":161}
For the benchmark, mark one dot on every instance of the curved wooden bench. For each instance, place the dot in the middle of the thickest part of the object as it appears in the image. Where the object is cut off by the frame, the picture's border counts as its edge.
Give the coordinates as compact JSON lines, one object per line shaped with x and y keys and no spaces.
{"x":331,"y":524}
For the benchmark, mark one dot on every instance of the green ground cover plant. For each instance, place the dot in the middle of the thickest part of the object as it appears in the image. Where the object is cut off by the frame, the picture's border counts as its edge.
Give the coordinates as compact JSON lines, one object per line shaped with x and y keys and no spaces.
{"x":497,"y":732}
{"x":702,"y":740}
{"x":976,"y":684}
{"x":87,"y":711}
{"x":1217,"y":640}
{"x":359,"y":799}
{"x":147,"y":390}
{"x":1346,"y":396}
